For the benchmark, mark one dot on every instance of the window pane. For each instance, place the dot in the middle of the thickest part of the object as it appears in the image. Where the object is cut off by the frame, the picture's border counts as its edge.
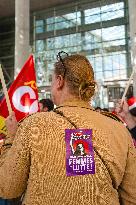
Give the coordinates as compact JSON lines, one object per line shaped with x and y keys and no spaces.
{"x":39,"y":26}
{"x":98,"y":64}
{"x":92,"y":15}
{"x":113,"y":33}
{"x":99,"y":76}
{"x":112,"y":11}
{"x":64,"y":21}
{"x":39,"y":45}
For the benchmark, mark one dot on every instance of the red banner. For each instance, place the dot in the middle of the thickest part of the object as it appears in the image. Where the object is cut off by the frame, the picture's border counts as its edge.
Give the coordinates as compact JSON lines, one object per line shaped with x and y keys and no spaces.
{"x":23,"y":93}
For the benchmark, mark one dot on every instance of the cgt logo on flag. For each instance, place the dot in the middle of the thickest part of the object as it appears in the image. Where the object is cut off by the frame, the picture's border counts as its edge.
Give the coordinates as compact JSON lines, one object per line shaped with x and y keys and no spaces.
{"x":23,"y":93}
{"x":24,"y":98}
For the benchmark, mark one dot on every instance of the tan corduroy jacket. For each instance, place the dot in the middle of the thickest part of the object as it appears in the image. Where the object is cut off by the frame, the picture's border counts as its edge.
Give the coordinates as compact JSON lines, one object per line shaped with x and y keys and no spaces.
{"x":35,"y":163}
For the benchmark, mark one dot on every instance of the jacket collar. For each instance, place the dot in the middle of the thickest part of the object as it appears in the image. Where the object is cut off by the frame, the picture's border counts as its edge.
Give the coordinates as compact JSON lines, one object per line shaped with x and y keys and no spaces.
{"x":76,"y":103}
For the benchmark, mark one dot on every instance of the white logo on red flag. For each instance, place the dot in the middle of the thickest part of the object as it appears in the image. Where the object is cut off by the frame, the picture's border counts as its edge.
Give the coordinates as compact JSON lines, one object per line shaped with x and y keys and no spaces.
{"x":27,"y":108}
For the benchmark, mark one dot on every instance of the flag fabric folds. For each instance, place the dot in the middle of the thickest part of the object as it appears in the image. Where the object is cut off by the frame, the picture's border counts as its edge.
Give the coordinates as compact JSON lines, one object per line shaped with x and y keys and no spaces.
{"x":23,"y":93}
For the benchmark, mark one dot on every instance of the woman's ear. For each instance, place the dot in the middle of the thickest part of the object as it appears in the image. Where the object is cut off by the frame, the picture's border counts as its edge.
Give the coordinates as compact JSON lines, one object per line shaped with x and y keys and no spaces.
{"x":60,"y":82}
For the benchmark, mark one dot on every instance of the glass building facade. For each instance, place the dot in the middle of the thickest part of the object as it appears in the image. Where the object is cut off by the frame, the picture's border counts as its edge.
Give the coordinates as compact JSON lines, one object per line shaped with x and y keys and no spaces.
{"x":96,"y":29}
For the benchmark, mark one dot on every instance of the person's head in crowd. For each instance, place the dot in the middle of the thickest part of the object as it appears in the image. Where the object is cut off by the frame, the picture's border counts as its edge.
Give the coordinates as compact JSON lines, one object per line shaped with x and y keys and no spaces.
{"x":46,"y":105}
{"x":73,"y":78}
{"x":98,"y":109}
{"x":105,"y":110}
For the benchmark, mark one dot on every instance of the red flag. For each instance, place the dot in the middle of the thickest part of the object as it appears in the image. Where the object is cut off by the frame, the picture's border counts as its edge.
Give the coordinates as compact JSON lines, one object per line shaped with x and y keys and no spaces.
{"x":23,"y":93}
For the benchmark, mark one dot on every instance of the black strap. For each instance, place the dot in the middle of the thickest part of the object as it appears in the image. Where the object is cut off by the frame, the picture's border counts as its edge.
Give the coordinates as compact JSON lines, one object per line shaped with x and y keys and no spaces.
{"x":61,"y":113}
{"x":73,"y":106}
{"x":7,"y":144}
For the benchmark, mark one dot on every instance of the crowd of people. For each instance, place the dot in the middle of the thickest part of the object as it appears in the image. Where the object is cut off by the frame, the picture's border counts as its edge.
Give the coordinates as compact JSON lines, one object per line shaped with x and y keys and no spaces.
{"x":39,"y":163}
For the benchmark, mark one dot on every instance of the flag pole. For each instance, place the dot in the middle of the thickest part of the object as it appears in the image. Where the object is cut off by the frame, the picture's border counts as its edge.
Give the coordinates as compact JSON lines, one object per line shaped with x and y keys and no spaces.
{"x":128,"y":84}
{"x":5,"y":90}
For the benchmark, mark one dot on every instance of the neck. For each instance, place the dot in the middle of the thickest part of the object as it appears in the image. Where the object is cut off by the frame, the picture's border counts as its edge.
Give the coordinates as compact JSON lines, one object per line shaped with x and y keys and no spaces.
{"x":66,"y":97}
